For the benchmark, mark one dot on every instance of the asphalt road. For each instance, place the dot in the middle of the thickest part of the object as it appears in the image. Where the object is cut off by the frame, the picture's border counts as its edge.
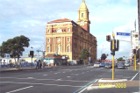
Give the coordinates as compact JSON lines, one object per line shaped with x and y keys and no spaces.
{"x":67,"y":79}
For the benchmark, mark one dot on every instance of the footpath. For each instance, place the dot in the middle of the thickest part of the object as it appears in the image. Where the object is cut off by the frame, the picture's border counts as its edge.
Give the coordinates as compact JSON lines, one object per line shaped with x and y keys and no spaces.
{"x":5,"y":69}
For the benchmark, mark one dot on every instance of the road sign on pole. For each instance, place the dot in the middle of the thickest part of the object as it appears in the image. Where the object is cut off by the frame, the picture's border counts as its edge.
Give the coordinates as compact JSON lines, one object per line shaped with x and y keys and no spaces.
{"x":123,"y":33}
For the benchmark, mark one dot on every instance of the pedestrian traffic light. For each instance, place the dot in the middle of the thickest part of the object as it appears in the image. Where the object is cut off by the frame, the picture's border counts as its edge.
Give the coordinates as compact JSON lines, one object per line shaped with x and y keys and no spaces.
{"x":32,"y":53}
{"x":134,"y":51}
{"x":114,"y":47}
{"x":108,"y":38}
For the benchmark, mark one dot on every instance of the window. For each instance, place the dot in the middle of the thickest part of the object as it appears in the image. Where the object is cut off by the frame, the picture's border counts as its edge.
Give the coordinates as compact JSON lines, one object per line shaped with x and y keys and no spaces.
{"x":58,"y":40}
{"x":48,"y":40}
{"x":48,"y":49}
{"x":68,"y":39}
{"x":68,"y":48}
{"x":59,"y":48}
{"x":68,"y":29}
{"x":82,"y":14}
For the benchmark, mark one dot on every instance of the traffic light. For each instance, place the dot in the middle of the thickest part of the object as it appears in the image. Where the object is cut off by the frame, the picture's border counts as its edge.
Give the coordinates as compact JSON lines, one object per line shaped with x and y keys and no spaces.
{"x":116,"y":45}
{"x":31,"y":53}
{"x":134,"y":51}
{"x":113,"y":53}
{"x":108,"y":38}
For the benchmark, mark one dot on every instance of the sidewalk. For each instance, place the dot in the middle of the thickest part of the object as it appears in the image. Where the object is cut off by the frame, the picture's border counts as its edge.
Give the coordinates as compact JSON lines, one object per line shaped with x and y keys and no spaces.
{"x":6,"y":69}
{"x":16,"y":69}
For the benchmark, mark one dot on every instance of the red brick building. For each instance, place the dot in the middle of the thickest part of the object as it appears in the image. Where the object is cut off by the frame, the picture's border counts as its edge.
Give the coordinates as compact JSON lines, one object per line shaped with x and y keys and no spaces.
{"x":66,"y":37}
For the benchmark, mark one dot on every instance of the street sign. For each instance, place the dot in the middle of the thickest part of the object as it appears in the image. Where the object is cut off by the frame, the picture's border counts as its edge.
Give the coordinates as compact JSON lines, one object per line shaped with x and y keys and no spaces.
{"x":123,"y":33}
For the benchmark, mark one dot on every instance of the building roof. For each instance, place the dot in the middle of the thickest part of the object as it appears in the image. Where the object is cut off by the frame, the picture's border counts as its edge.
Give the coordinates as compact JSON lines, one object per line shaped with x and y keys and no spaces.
{"x":83,"y":6}
{"x":60,"y":20}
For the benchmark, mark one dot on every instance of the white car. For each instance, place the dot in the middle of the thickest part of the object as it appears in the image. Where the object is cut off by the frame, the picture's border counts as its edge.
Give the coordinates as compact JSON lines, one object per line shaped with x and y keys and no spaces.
{"x":96,"y":64}
{"x":127,"y":64}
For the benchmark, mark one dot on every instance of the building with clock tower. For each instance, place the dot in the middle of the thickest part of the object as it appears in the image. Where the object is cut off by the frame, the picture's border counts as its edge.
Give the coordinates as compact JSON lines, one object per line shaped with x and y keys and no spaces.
{"x":83,"y":16}
{"x":69,"y":38}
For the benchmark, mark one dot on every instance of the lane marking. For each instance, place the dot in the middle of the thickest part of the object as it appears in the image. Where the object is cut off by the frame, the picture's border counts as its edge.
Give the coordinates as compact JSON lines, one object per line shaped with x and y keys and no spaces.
{"x":45,"y":75}
{"x":30,"y":77}
{"x":46,"y":79}
{"x":134,"y":76}
{"x":11,"y":82}
{"x":68,"y":76}
{"x":16,"y":90}
{"x":85,"y":86}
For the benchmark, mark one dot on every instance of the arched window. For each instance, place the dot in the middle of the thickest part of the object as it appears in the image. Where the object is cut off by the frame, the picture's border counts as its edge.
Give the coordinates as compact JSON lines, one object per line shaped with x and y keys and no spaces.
{"x":48,"y":48}
{"x":82,"y":14}
{"x":59,"y":48}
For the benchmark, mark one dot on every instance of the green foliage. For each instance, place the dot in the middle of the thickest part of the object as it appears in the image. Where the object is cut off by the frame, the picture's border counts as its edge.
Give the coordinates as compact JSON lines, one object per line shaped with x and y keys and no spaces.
{"x":103,"y":56}
{"x":14,"y":46}
{"x":120,"y":59}
{"x":84,"y":54}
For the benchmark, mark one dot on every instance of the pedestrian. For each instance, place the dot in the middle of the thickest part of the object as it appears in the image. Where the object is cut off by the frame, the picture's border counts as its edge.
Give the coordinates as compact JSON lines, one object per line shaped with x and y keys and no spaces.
{"x":37,"y":64}
{"x":40,"y":64}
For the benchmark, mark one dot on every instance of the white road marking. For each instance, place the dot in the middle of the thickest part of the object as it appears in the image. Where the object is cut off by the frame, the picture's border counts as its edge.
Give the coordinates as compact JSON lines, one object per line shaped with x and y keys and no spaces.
{"x":19,"y":89}
{"x":46,"y":79}
{"x":55,"y":73}
{"x":59,"y":79}
{"x":68,"y":76}
{"x":134,"y":76}
{"x":85,"y":87}
{"x":30,"y":77}
{"x":45,"y":75}
{"x":12,"y":82}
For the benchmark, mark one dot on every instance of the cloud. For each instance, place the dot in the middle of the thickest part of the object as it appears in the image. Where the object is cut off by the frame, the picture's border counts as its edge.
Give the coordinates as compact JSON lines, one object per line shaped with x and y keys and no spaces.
{"x":29,"y":18}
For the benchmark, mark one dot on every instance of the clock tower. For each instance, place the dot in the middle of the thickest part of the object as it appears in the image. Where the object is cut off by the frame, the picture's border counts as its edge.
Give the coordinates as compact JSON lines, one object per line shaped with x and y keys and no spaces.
{"x":83,"y":16}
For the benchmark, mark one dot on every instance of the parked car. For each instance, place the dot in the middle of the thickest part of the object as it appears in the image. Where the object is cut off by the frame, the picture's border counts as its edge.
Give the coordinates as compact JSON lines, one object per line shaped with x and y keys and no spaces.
{"x":96,"y":64}
{"x":102,"y":64}
{"x":108,"y":65}
{"x":127,"y":64}
{"x":73,"y":62}
{"x":120,"y":65}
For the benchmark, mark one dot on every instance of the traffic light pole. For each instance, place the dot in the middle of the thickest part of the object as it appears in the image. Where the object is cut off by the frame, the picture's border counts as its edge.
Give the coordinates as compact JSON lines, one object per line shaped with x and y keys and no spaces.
{"x":113,"y":48}
{"x":113,"y":70}
{"x":135,"y":66}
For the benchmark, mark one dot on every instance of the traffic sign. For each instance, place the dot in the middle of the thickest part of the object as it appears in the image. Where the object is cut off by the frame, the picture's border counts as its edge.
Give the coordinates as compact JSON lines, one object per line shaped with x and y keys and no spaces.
{"x":123,"y":33}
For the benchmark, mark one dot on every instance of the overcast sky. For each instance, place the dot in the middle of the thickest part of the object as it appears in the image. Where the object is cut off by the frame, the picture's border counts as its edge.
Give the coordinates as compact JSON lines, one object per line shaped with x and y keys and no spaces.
{"x":29,"y":18}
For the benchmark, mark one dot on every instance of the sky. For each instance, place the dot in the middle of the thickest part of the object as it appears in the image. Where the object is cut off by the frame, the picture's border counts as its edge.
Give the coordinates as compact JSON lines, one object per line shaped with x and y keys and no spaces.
{"x":30,"y":17}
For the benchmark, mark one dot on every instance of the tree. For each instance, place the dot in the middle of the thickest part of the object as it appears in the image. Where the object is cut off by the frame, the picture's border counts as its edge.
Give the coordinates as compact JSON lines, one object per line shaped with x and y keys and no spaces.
{"x":84,"y":54}
{"x":14,"y":46}
{"x":120,"y":59}
{"x":103,"y":56}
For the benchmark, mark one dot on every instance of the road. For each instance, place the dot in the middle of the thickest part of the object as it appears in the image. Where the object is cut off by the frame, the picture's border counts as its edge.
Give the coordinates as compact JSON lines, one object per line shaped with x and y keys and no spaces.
{"x":64,"y":79}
